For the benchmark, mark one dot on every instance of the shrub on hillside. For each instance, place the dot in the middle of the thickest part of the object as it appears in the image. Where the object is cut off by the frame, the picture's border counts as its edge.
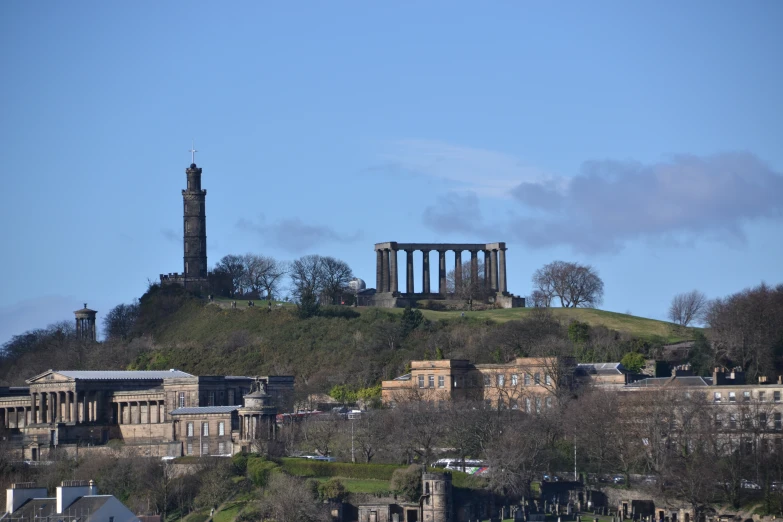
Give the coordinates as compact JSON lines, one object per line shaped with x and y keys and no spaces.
{"x":332,"y":489}
{"x":314,"y":468}
{"x":259,"y":470}
{"x":406,"y":482}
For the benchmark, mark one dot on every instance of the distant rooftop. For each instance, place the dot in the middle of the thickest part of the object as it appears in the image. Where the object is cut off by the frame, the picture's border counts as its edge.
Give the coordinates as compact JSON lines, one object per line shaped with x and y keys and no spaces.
{"x":118,"y":375}
{"x":204,"y":409}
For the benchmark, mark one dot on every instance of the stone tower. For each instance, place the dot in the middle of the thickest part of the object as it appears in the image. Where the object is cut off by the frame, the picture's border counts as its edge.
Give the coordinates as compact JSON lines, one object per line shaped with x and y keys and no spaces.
{"x":195,"y":228}
{"x":85,"y":323}
{"x":436,"y":498}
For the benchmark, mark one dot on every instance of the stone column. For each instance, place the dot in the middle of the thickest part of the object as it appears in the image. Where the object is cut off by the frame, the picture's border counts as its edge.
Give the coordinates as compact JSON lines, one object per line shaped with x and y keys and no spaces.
{"x":378,"y":271}
{"x":393,"y":284}
{"x":442,"y":272}
{"x":33,"y":409}
{"x":68,"y":406}
{"x":385,"y":281}
{"x":457,"y":270}
{"x":85,"y":407}
{"x":55,"y":407}
{"x":493,"y":270}
{"x":474,"y":268}
{"x":425,"y":278}
{"x":502,"y":282}
{"x":487,"y":270}
{"x":96,"y":412}
{"x":149,"y":413}
{"x":409,"y":271}
{"x":119,"y":413}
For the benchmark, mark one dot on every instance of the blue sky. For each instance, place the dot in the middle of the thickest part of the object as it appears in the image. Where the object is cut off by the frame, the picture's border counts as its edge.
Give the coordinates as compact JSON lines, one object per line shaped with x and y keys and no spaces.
{"x":643,"y":138}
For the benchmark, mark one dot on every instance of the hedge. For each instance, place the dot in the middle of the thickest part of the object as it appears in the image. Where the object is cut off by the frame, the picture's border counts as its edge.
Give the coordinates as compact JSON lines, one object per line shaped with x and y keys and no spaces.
{"x":315,"y":468}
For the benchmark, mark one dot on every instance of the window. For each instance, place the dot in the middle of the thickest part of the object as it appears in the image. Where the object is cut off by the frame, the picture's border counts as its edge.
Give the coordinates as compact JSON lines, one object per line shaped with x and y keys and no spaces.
{"x":527,"y":404}
{"x":549,"y":402}
{"x":776,"y":396}
{"x":732,"y":397}
{"x":732,"y":421}
{"x":190,"y":429}
{"x":205,"y":448}
{"x":537,"y":378}
{"x":487,"y":380}
{"x":211,"y":398}
{"x":221,"y":448}
{"x":761,"y":396}
{"x":513,"y":403}
{"x":421,"y":381}
{"x":527,"y":379}
{"x":718,"y":420}
{"x":181,"y":399}
{"x":717,"y":397}
{"x":190,"y":448}
{"x":778,"y":421}
{"x":441,"y":381}
{"x":186,"y":267}
{"x":501,"y":380}
{"x":186,"y":247}
{"x":431,"y":381}
{"x":538,"y":404}
{"x":514,"y":379}
{"x":205,"y":429}
{"x":547,"y":379}
{"x":221,"y":428}
{"x":746,"y":396}
{"x":763,"y":420}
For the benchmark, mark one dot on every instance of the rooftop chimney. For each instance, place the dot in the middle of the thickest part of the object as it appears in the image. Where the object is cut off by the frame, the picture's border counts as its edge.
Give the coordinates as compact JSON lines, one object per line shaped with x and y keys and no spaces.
{"x":73,"y":490}
{"x":20,"y":493}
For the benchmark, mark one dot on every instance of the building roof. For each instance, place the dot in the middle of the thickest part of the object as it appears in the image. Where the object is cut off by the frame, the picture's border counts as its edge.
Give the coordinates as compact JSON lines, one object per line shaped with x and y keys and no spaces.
{"x":204,"y":409}
{"x":115,"y":375}
{"x":41,"y":508}
{"x":672,"y":381}
{"x":610,"y":368}
{"x":406,"y":377}
{"x":34,"y":509}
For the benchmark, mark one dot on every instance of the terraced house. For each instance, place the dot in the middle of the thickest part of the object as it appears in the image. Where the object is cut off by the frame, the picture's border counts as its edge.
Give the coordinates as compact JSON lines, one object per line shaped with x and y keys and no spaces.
{"x":529,"y":383}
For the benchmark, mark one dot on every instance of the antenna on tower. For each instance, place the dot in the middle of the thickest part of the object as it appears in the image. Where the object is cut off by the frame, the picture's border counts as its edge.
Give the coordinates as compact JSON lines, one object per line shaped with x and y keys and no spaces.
{"x":193,"y":152}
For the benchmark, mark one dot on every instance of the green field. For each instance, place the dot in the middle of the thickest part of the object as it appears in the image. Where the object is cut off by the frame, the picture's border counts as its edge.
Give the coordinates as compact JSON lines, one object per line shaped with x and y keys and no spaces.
{"x":360,"y":485}
{"x":637,"y":326}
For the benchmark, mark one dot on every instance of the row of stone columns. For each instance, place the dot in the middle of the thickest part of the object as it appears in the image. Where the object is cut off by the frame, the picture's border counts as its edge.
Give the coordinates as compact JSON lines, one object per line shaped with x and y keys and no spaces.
{"x":65,"y":406}
{"x":14,"y":416}
{"x":131,"y":410}
{"x":386,"y":270}
{"x":253,"y":426}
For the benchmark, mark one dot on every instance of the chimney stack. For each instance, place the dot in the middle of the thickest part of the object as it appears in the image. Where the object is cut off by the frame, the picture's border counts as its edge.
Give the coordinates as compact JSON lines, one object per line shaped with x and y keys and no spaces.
{"x":21,"y":492}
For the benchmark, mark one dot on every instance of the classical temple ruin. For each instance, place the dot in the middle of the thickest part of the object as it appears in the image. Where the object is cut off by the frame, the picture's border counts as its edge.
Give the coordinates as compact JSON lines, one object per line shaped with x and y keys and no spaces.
{"x":493,"y":281}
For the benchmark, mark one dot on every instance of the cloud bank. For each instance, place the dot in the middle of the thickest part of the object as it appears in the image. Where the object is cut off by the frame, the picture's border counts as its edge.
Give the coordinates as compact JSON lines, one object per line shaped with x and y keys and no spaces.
{"x":293,"y":235}
{"x":609,"y":203}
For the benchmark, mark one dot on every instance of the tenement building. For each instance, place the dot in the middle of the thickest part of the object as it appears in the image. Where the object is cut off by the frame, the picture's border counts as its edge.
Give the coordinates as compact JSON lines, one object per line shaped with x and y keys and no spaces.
{"x":492,"y":284}
{"x":157,"y":409}
{"x":194,"y":241}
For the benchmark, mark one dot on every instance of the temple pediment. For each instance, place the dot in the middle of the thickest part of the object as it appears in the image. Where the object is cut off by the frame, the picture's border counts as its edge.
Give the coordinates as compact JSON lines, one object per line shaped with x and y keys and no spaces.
{"x":49,"y":376}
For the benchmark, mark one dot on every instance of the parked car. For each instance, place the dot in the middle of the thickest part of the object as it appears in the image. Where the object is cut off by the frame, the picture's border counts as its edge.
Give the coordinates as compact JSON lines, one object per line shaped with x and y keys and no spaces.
{"x":746,"y":484}
{"x":618,"y":479}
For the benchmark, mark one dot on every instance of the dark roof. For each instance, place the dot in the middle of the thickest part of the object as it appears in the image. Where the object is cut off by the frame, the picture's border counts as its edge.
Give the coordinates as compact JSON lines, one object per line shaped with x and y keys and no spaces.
{"x":610,"y":368}
{"x":116,"y":375}
{"x":35,"y":509}
{"x":87,"y":505}
{"x":671,"y":381}
{"x":204,"y":409}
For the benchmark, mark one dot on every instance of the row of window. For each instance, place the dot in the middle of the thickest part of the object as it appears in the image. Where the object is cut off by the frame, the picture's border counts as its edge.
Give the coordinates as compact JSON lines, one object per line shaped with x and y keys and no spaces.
{"x":205,"y":448}
{"x":500,"y":380}
{"x":205,"y":429}
{"x":746,"y":396}
{"x":747,"y":421}
{"x":211,"y":398}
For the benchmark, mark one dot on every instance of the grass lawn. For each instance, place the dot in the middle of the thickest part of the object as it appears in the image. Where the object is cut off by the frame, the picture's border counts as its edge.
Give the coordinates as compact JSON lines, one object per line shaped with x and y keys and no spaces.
{"x":361,"y":485}
{"x":229,"y":512}
{"x":637,"y":326}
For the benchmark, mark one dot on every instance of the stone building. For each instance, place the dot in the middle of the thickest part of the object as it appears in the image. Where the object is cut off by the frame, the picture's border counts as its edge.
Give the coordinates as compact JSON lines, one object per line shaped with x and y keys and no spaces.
{"x":194,"y":275}
{"x":494,"y":278}
{"x":72,"y":408}
{"x":528,"y":383}
{"x":435,"y":505}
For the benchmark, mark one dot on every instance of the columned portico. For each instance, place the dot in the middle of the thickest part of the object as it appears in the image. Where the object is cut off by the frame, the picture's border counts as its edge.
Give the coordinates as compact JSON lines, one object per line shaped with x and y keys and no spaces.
{"x":495,"y":280}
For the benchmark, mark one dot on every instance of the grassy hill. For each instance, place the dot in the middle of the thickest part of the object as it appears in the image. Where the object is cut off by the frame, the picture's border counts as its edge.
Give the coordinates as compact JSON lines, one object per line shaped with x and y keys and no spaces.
{"x":357,"y":346}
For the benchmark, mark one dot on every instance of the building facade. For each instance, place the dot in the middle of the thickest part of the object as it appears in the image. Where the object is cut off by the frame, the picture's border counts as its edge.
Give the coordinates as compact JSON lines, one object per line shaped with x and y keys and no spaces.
{"x":76,"y":408}
{"x":529,"y":383}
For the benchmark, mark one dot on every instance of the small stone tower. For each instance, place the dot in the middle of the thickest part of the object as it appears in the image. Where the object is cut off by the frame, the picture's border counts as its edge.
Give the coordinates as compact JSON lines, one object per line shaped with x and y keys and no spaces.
{"x":436,"y":498}
{"x":85,"y":323}
{"x":195,"y":227}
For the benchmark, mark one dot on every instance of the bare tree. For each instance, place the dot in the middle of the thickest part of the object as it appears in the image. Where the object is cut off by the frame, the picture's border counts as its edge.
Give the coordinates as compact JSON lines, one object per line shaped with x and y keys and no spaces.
{"x":336,"y":275}
{"x":466,"y":288}
{"x":234,"y":267}
{"x":289,"y":500}
{"x":687,"y":308}
{"x":306,"y":276}
{"x":573,"y":283}
{"x":120,"y":320}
